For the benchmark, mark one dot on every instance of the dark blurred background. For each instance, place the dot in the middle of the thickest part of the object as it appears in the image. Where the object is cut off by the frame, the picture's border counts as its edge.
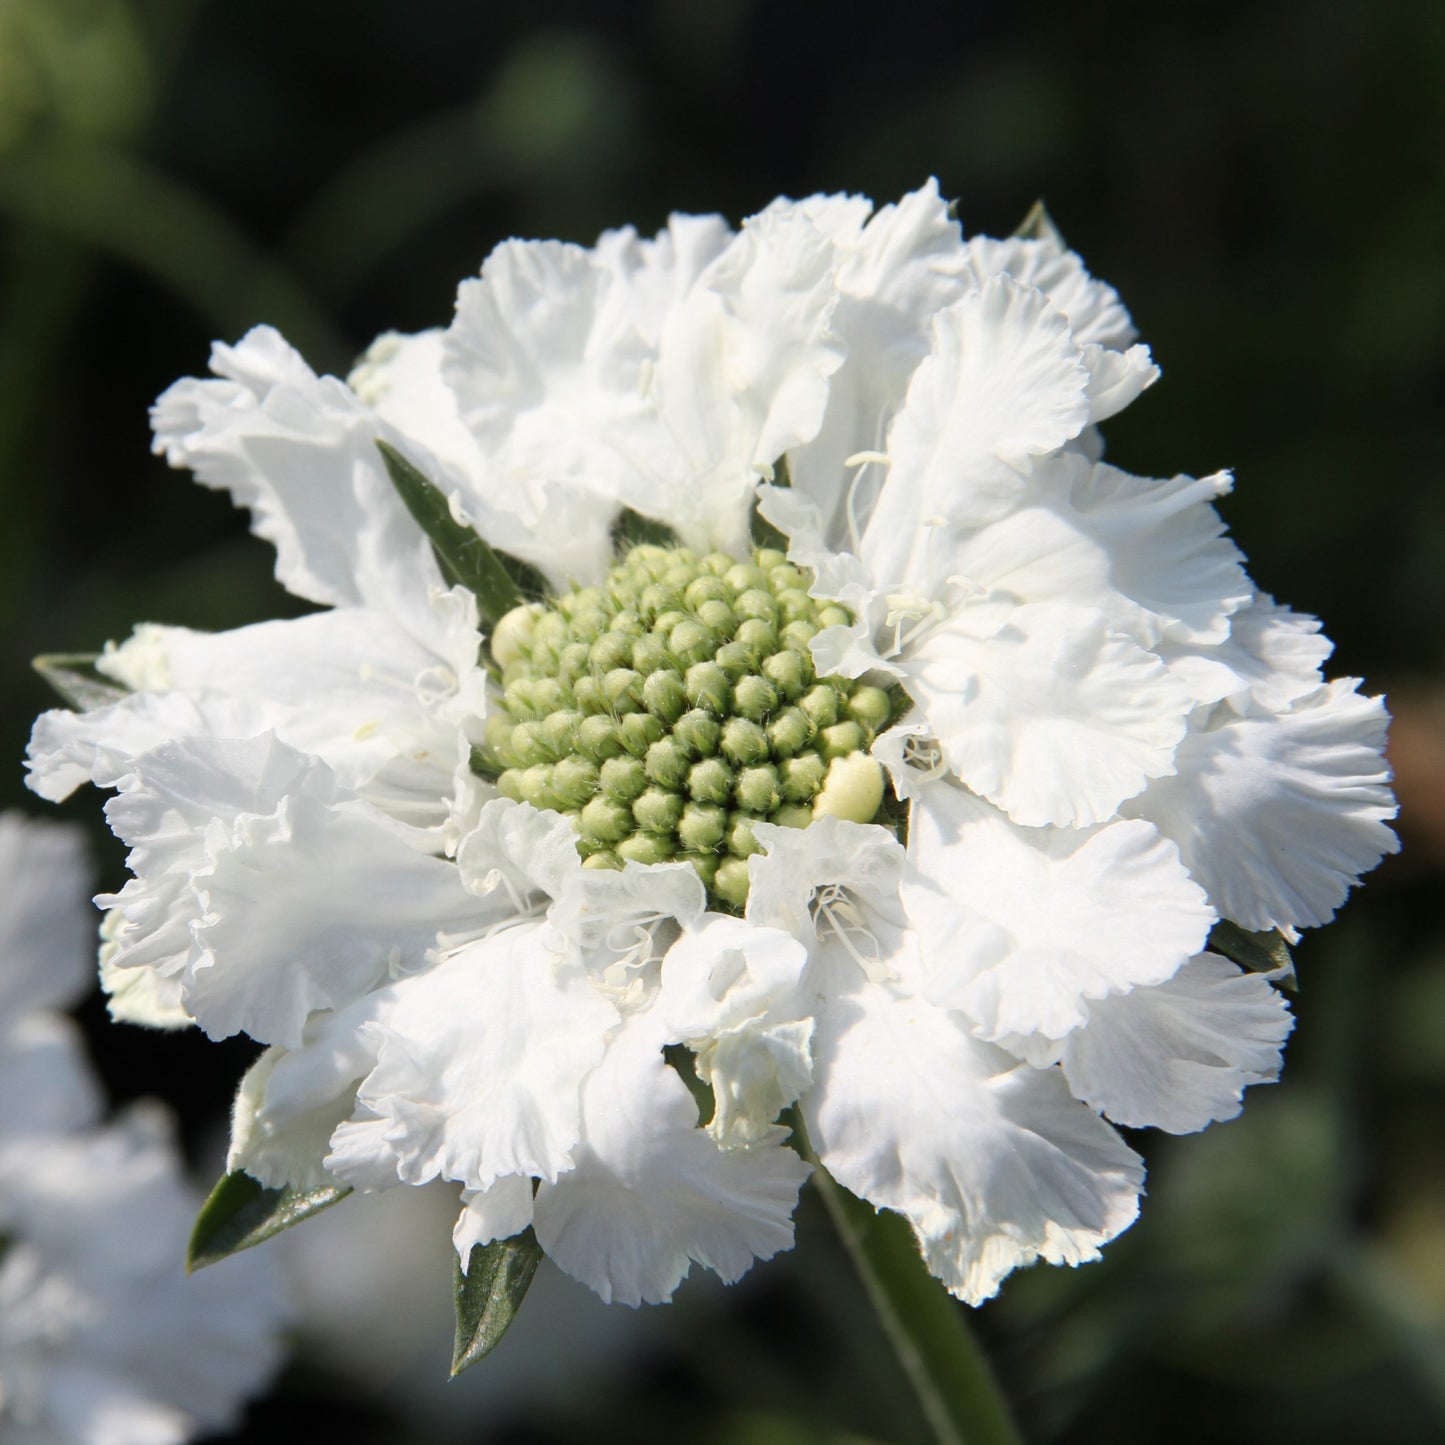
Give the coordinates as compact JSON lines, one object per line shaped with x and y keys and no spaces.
{"x":1266,"y":186}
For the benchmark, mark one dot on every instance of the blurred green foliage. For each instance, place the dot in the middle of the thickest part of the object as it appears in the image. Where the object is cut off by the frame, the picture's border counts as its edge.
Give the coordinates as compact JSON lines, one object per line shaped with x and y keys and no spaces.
{"x":1266,"y":185}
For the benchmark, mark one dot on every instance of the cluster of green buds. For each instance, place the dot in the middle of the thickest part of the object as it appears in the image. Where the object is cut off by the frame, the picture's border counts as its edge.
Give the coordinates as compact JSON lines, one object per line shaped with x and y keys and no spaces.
{"x":673,"y":708}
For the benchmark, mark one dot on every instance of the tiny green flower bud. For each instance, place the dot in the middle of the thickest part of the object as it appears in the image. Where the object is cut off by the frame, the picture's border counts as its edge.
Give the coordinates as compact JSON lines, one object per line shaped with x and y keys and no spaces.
{"x":870,"y":709}
{"x":741,"y":841}
{"x":743,"y":742}
{"x":802,"y":777}
{"x":789,"y":733}
{"x":638,"y":731}
{"x":792,"y":815}
{"x":697,"y":732}
{"x":756,"y":603}
{"x":536,"y":786}
{"x":497,"y":734}
{"x":786,"y":578}
{"x":718,"y":563}
{"x":757,"y":789}
{"x":657,"y":810}
{"x":730,"y":882}
{"x":512,"y":636}
{"x":549,"y":630}
{"x":509,"y":784}
{"x":664,"y":695}
{"x":754,"y":697}
{"x":767,"y":558}
{"x":820,"y":703}
{"x":758,"y":635}
{"x":602,"y":858}
{"x":667,"y":763}
{"x":649,"y":653}
{"x":610,"y":650}
{"x":798,"y":635}
{"x":574,"y":780}
{"x":735,"y":660}
{"x":705,"y":589}
{"x":572,"y":660}
{"x":605,"y":820}
{"x":742,"y":576}
{"x":657,"y":599}
{"x":622,"y":779}
{"x":702,"y":826}
{"x":559,"y":732}
{"x":588,"y":696}
{"x":517,"y":700}
{"x":834,"y":616}
{"x":705,"y":863}
{"x":589,"y":625}
{"x":708,"y":686}
{"x":853,"y":789}
{"x":790,"y":672}
{"x":840,"y":740}
{"x":527,"y":746}
{"x":622,"y":687}
{"x":711,"y":781}
{"x":646,"y":848}
{"x":717,"y":616}
{"x":597,"y":738}
{"x":691,"y":642}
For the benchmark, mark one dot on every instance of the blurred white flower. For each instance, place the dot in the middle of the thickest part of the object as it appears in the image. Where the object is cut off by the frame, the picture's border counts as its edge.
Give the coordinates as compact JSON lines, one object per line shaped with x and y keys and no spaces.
{"x":104,"y":1340}
{"x":917,"y":812}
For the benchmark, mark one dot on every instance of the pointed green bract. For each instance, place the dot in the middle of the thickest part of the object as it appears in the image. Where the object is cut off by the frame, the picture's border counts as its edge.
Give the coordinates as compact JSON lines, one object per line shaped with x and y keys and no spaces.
{"x":1258,"y":952}
{"x":74,"y":678}
{"x":490,"y":1293}
{"x":464,"y":557}
{"x":241,"y":1212}
{"x":1038,"y":225}
{"x":632,"y":529}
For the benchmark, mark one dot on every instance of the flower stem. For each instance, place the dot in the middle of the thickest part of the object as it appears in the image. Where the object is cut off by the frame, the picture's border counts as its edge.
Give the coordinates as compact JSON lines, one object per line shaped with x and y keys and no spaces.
{"x":955,"y":1387}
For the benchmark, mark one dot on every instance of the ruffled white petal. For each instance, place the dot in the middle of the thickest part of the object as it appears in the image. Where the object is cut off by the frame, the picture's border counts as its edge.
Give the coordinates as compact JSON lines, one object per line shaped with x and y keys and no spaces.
{"x":1003,"y":383}
{"x":268,"y":889}
{"x":732,"y":992}
{"x":497,"y":1212}
{"x":1021,"y":927}
{"x":652,"y":1194}
{"x":1277,"y":815}
{"x":1045,"y":710}
{"x":1149,"y":555}
{"x":1179,"y":1055}
{"x":991,"y":1161}
{"x":300,"y":451}
{"x":479,"y":1065}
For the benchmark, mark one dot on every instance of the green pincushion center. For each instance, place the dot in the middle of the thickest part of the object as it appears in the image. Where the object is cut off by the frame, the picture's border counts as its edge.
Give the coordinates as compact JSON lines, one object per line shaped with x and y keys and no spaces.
{"x":671,"y":709}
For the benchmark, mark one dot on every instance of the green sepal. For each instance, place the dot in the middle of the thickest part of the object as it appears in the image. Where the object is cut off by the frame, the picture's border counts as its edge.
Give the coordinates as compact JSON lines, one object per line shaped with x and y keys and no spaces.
{"x":463,"y":556}
{"x":1038,"y":225}
{"x":764,"y":534}
{"x":490,"y":1293}
{"x":241,"y":1212}
{"x":75,"y":678}
{"x":632,"y":529}
{"x":1266,"y":952}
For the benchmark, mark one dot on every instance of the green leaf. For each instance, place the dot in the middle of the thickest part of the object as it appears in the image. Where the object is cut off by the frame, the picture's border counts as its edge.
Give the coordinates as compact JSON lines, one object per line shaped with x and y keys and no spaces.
{"x":1038,"y":225}
{"x":490,"y":1293}
{"x":632,"y":529}
{"x":74,"y":677}
{"x":1257,"y":952}
{"x":462,"y":555}
{"x":241,"y":1212}
{"x":764,"y":534}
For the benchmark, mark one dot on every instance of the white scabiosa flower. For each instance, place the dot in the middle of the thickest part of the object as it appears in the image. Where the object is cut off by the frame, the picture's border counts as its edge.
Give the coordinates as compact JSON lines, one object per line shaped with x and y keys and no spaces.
{"x":813,"y":719}
{"x":104,"y":1340}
